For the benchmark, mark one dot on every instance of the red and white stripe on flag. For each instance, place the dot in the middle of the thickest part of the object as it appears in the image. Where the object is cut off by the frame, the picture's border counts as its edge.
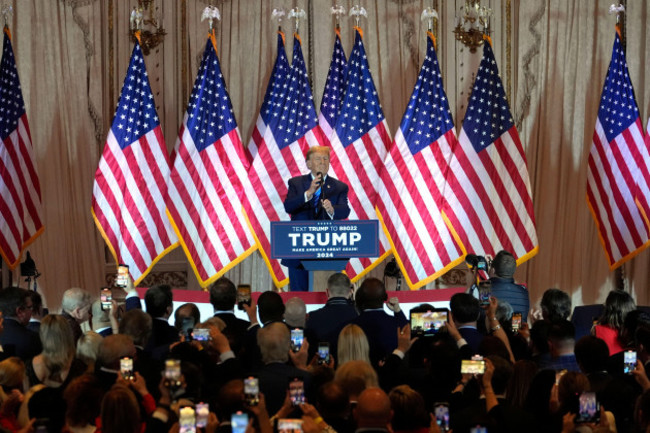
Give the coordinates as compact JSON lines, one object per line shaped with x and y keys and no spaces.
{"x":617,"y":177}
{"x":21,"y":218}
{"x":208,"y":177}
{"x":131,"y":180}
{"x":413,"y":180}
{"x":291,"y":130}
{"x":360,"y":142}
{"x":488,"y":195}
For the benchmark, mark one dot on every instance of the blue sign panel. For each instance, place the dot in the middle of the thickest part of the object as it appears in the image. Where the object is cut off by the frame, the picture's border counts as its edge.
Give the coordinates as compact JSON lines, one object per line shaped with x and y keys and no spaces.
{"x":324,"y":239}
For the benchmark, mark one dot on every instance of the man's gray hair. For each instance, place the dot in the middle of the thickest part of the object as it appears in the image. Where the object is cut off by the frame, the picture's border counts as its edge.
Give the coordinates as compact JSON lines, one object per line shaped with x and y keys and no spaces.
{"x":295,"y":312}
{"x":339,"y":284}
{"x":274,"y":341}
{"x":75,"y":298}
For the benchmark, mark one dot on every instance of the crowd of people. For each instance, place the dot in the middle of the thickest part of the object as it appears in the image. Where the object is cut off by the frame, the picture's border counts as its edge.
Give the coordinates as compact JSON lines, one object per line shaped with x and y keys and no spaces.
{"x":357,"y":368}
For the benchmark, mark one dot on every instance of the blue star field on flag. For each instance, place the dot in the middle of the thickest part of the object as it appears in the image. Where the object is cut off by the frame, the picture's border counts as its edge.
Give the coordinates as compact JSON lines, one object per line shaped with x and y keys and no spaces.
{"x":488,"y":113}
{"x":427,"y":116}
{"x":274,"y":91}
{"x":136,"y":111}
{"x":12,"y":105}
{"x":618,"y":109}
{"x":209,"y":109}
{"x":361,"y":110}
{"x":335,"y":84}
{"x":294,"y":115}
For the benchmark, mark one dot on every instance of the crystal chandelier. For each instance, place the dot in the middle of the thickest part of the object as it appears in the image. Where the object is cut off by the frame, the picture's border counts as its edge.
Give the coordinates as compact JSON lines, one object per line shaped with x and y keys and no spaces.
{"x":148,"y":23}
{"x":472,"y":22}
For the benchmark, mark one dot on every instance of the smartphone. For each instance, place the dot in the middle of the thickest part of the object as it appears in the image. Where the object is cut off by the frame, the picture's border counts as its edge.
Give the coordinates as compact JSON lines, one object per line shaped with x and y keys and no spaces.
{"x":105,"y":297}
{"x":243,"y":296}
{"x":41,"y":425}
{"x":201,"y":334}
{"x":297,"y":337}
{"x":122,"y":278}
{"x":297,"y":392}
{"x":187,"y":325}
{"x":589,"y":411}
{"x":202,"y":412}
{"x":323,"y":353}
{"x":441,"y":411}
{"x":239,"y":422}
{"x":484,"y":292}
{"x":629,"y":361}
{"x":252,"y":390}
{"x":126,"y":368}
{"x":428,"y":323}
{"x":516,"y":322}
{"x":288,"y":425}
{"x":187,"y":420}
{"x":172,"y":373}
{"x":472,"y":366}
{"x":478,"y":429}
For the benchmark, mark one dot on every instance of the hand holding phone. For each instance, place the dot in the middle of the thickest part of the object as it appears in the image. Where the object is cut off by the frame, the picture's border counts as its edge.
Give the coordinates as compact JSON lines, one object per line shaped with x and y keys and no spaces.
{"x":106,"y":298}
{"x":297,"y":337}
{"x":297,"y":392}
{"x":323,"y":353}
{"x":122,"y":279}
{"x":126,"y":368}
{"x":243,"y":296}
{"x":252,"y":390}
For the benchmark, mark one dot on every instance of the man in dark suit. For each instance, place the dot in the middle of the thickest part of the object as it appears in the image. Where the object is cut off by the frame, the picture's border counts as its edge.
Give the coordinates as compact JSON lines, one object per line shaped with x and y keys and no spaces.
{"x":159,"y":303}
{"x":465,"y":311}
{"x":223,"y":297}
{"x":276,"y":374}
{"x":16,"y":307}
{"x":314,"y":196}
{"x":379,"y":327}
{"x":325,"y":323}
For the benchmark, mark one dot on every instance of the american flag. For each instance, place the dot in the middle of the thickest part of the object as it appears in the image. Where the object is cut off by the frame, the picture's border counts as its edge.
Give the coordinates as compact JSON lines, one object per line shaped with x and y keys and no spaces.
{"x":280,"y":74}
{"x":208,"y":177}
{"x":21,"y":220}
{"x":359,"y":146}
{"x":618,"y":178}
{"x":488,"y":196}
{"x":413,"y":178}
{"x":334,"y":88}
{"x":131,"y":180}
{"x":292,"y":128}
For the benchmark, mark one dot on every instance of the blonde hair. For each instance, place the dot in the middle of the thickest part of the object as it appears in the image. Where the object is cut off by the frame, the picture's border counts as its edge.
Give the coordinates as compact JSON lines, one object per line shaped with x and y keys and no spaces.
{"x":317,"y":149}
{"x":352,"y":345}
{"x":58,"y":345}
{"x":88,"y":347}
{"x":355,"y":376}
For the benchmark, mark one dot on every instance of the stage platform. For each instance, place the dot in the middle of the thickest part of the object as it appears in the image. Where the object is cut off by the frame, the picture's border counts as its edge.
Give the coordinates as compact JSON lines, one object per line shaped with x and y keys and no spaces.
{"x":408,"y":299}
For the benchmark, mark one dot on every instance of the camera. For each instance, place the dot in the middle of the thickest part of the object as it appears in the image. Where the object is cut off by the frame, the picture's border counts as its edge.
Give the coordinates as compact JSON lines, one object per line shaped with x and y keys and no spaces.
{"x":477,"y":262}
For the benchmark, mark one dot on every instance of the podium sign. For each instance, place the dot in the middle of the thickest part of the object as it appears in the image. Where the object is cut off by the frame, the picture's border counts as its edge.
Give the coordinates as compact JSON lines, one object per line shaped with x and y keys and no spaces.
{"x":320,"y":239}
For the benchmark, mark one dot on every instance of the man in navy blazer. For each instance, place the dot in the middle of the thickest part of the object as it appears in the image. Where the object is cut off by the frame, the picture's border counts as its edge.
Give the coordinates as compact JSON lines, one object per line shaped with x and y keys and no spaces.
{"x":466,"y":311}
{"x":380,"y":328}
{"x":314,"y":196}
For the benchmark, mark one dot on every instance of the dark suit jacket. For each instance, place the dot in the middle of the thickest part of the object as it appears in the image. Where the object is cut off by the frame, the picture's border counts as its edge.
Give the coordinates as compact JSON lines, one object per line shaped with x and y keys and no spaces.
{"x":473,"y":338}
{"x":325,"y":323}
{"x":334,"y":190}
{"x":235,"y":330}
{"x":162,"y":335}
{"x":19,"y":341}
{"x":274,"y":383}
{"x":381,"y":330}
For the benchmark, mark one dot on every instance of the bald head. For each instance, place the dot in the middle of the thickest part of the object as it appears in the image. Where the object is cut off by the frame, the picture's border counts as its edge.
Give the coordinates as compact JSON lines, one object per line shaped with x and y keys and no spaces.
{"x":373,"y":409}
